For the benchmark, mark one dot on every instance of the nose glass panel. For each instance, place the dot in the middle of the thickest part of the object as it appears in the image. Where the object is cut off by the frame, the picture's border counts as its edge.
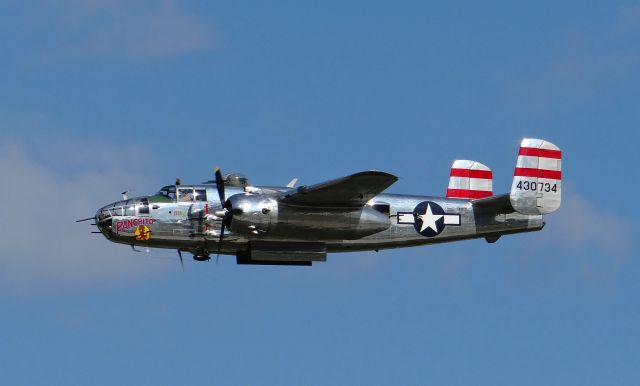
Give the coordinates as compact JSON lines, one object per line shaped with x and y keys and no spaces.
{"x":129,"y":208}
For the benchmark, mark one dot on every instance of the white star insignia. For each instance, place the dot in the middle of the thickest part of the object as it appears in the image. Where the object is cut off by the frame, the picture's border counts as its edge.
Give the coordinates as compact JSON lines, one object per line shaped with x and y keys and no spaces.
{"x":429,"y":219}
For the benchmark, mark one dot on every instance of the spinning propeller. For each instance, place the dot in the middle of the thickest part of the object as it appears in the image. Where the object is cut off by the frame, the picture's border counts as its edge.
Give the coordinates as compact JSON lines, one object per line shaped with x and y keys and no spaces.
{"x":225,"y":213}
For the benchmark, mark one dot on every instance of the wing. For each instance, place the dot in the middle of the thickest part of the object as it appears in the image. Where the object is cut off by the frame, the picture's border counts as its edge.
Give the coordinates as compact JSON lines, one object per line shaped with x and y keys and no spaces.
{"x":350,"y":191}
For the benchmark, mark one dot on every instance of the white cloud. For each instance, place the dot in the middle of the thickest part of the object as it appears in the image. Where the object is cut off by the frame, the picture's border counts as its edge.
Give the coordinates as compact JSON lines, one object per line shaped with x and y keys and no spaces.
{"x":41,"y":246}
{"x":134,"y":29}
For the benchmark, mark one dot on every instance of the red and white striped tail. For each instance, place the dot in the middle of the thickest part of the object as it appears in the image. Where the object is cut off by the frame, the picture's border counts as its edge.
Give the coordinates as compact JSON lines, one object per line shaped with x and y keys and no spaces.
{"x":470,"y":179}
{"x":536,"y":187}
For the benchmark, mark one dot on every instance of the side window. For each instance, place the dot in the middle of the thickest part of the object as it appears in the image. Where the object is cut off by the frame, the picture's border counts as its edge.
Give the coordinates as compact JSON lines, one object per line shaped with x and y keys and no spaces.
{"x":171,"y":193}
{"x":143,"y":208}
{"x":116,"y":211}
{"x":185,"y":194}
{"x":130,"y":210}
{"x":201,"y":195}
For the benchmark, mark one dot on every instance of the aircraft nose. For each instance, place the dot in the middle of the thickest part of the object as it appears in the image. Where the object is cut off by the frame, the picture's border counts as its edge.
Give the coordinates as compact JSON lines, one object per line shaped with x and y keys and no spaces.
{"x":103,"y":218}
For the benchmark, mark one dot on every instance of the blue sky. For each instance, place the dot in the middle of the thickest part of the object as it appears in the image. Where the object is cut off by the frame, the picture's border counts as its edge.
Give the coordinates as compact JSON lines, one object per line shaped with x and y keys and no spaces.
{"x":98,"y":97}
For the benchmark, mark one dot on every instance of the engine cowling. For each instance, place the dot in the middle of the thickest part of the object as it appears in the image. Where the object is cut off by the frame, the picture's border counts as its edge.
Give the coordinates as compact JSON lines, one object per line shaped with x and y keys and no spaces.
{"x":252,"y":214}
{"x":264,"y":215}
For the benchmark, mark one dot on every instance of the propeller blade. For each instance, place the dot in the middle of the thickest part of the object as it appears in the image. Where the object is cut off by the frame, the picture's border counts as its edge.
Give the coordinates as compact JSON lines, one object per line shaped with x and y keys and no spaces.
{"x":220,"y":186}
{"x":226,"y":220}
{"x":181,"y":261}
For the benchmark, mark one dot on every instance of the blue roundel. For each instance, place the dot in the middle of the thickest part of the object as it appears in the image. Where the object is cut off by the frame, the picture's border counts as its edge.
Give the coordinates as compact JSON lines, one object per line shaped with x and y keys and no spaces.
{"x":429,"y":218}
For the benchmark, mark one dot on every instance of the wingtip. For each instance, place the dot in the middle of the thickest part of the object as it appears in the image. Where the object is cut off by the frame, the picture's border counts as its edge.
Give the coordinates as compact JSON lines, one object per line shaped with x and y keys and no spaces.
{"x":387,"y":174}
{"x":377,"y":173}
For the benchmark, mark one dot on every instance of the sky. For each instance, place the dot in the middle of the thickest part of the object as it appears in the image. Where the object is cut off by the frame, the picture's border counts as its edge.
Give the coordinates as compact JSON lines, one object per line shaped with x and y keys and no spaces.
{"x":98,"y":97}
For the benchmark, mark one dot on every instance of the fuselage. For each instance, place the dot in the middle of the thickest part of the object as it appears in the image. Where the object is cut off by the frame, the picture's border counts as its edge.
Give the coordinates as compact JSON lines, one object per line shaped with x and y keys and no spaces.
{"x":184,"y":217}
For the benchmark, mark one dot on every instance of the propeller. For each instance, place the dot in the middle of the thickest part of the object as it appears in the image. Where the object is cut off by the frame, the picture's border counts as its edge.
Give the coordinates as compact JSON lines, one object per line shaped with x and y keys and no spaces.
{"x":220,"y":186}
{"x":220,"y":241}
{"x":226,"y":218}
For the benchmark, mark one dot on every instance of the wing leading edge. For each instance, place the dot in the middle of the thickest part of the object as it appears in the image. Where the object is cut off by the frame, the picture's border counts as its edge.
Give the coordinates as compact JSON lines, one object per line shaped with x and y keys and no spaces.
{"x":350,"y":191}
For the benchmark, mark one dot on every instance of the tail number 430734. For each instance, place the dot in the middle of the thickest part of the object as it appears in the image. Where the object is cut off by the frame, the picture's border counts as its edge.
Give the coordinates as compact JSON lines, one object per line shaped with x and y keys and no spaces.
{"x":535,"y":186}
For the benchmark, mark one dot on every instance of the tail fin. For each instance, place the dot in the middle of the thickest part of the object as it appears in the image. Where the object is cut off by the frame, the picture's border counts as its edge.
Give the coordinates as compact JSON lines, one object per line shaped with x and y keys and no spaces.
{"x":470,"y":179}
{"x":536,"y":187}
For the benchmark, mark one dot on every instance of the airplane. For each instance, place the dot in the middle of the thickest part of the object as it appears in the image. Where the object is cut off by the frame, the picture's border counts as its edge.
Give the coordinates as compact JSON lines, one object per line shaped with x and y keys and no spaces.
{"x":271,"y":225}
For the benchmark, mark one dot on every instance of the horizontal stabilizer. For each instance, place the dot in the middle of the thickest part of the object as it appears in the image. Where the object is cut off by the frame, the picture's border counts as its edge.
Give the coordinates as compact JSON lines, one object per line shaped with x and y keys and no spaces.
{"x":350,"y":191}
{"x":495,"y":204}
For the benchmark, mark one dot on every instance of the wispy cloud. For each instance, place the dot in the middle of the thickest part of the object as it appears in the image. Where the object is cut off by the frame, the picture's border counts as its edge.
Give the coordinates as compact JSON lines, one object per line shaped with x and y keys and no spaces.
{"x":41,"y":247}
{"x":139,"y":29}
{"x":582,"y":239}
{"x":585,"y":60}
{"x":581,"y":224}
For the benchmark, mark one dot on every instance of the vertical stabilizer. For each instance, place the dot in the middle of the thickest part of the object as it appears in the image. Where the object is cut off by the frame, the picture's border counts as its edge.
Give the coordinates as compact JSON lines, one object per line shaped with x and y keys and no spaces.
{"x":536,"y":187}
{"x":470,"y":180}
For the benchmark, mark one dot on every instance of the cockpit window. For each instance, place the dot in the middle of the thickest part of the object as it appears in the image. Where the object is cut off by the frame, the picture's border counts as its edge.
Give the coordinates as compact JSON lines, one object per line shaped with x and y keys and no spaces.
{"x":185,"y":194}
{"x":201,"y":195}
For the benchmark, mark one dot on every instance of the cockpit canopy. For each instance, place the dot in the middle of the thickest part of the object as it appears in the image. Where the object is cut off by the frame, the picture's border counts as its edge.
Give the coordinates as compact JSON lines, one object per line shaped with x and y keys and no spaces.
{"x":186,"y":193}
{"x":182,"y":193}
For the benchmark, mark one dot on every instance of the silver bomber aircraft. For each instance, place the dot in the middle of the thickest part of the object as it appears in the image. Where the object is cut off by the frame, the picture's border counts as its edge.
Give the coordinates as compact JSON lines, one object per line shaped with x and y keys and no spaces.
{"x":298,"y":226}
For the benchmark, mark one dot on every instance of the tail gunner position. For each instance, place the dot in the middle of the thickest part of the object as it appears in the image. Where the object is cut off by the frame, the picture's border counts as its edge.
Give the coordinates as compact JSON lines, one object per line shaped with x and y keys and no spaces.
{"x":297,"y":226}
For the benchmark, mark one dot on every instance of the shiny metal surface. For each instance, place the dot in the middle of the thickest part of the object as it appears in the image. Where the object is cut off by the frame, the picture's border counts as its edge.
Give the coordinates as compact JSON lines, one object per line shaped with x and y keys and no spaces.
{"x":340,"y":215}
{"x":185,"y":225}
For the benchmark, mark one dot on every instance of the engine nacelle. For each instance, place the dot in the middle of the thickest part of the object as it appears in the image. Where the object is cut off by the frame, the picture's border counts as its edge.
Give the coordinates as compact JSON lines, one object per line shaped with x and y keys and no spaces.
{"x":252,"y":214}
{"x":260,"y":214}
